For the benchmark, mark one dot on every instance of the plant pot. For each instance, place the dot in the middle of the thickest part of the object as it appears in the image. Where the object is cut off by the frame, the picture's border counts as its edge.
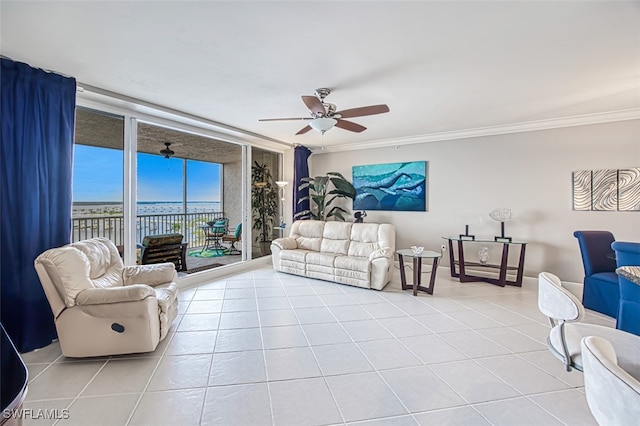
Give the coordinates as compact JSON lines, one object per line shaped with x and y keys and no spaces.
{"x":265,"y":247}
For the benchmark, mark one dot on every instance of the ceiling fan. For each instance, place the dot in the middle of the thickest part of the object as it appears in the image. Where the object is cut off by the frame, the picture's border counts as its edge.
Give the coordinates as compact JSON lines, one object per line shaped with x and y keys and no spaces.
{"x":167,"y":152}
{"x":324,"y":115}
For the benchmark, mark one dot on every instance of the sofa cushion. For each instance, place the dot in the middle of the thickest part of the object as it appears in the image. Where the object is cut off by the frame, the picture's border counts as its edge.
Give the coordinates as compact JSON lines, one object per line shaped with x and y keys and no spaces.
{"x":334,"y":246}
{"x":324,"y":259}
{"x":294,"y":255}
{"x":337,"y":230}
{"x":353,"y":263}
{"x":308,"y":234}
{"x":319,"y":269}
{"x":369,"y":237}
{"x":307,"y":243}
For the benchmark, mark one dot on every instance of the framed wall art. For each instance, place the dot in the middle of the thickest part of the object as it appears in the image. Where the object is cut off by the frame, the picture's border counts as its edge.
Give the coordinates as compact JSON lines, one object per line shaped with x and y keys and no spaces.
{"x":607,"y":190}
{"x":391,"y":186}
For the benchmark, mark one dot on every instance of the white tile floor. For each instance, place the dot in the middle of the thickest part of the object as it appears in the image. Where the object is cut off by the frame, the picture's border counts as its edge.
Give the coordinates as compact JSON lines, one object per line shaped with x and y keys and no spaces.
{"x":264,"y":348}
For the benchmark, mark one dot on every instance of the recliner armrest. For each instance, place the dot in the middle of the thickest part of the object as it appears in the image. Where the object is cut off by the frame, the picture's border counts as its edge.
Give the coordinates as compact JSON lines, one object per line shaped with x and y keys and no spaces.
{"x":285,"y":243}
{"x":383,"y":252}
{"x":100,"y":296}
{"x":155,"y":274}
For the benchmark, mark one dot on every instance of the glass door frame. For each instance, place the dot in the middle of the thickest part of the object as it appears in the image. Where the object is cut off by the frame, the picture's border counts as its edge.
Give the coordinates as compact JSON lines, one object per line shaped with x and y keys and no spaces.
{"x":134,"y":111}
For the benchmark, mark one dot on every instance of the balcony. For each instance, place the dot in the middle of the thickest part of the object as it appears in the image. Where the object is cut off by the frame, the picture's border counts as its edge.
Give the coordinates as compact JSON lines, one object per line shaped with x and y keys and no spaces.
{"x":187,"y":224}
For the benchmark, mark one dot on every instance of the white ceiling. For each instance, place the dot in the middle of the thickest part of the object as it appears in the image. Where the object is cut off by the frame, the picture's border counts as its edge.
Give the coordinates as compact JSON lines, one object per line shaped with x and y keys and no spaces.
{"x":441,"y":67}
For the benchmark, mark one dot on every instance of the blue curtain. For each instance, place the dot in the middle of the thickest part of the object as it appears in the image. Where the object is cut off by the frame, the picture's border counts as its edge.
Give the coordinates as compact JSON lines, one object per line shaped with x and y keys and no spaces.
{"x":38,"y":112}
{"x":300,"y":170}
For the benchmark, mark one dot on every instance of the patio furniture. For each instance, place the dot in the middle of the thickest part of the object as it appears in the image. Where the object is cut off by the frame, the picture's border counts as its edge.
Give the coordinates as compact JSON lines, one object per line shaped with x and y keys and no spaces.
{"x":101,"y":307}
{"x":601,"y":290}
{"x":164,"y":248}
{"x":613,"y":395}
{"x":565,"y":312}
{"x":233,"y":239}
{"x":213,"y":233}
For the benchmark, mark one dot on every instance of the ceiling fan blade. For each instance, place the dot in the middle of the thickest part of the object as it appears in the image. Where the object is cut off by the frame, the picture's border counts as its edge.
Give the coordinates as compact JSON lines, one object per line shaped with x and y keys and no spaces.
{"x":362,"y":111}
{"x":350,"y":125}
{"x":314,"y":104}
{"x":285,"y":119}
{"x":304,"y":130}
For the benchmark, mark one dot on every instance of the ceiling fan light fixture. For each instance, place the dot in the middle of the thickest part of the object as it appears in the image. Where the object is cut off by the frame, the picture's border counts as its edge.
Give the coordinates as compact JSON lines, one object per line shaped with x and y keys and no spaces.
{"x":323,"y":124}
{"x":167,"y":152}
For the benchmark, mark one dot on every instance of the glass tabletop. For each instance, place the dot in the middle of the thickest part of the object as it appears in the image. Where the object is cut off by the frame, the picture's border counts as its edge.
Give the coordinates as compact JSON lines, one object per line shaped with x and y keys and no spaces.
{"x":424,"y":254}
{"x":483,"y":239}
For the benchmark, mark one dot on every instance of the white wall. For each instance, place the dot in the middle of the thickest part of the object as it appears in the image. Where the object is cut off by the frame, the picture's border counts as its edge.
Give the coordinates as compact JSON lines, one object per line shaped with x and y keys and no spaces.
{"x":527,"y":172}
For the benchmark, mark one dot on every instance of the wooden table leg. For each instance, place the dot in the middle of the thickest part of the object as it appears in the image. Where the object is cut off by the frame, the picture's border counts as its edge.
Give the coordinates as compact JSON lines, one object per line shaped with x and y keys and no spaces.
{"x":432,"y":280}
{"x":417,"y":271}
{"x":503,"y":265}
{"x":403,"y":275}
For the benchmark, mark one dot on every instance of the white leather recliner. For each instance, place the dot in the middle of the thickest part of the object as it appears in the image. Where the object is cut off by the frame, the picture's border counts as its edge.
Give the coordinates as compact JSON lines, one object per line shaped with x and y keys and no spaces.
{"x":102,"y":307}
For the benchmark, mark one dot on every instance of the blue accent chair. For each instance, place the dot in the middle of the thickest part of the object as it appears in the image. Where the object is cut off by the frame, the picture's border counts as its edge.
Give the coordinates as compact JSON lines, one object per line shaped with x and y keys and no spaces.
{"x":601,"y":290}
{"x":628,"y":254}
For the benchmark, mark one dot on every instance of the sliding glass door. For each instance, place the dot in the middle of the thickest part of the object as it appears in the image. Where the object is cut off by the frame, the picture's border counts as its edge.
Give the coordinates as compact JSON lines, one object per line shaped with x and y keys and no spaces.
{"x":190,"y":185}
{"x":136,"y":178}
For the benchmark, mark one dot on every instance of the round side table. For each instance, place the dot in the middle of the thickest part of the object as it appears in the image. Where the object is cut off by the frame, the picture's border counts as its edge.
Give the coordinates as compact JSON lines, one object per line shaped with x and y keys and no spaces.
{"x":417,"y":269}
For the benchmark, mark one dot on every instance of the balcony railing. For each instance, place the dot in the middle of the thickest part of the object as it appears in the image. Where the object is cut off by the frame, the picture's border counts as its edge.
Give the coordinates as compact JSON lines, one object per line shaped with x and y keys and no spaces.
{"x":112,"y":227}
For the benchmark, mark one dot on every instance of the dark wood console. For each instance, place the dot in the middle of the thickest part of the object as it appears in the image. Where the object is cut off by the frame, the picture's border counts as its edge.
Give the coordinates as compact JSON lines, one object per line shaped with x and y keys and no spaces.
{"x":458,"y":266}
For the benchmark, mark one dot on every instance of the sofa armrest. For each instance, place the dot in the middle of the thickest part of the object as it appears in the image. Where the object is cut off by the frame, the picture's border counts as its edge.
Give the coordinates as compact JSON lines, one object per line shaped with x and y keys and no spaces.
{"x":382,"y":252}
{"x":100,"y":296}
{"x":285,"y":243}
{"x":159,"y":273}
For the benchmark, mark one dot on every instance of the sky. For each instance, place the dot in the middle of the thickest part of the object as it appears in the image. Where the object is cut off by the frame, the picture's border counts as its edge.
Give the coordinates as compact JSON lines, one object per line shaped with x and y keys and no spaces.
{"x":98,"y":176}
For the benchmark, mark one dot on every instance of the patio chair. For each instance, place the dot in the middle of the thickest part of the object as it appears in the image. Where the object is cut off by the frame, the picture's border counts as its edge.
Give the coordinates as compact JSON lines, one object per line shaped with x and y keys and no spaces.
{"x":233,"y":239}
{"x":565,"y":312}
{"x":213,"y":233}
{"x":164,"y":248}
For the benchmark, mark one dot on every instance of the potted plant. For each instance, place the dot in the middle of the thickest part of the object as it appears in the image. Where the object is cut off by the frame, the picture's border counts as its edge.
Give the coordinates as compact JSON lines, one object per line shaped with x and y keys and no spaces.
{"x":322,"y":197}
{"x":264,"y":203}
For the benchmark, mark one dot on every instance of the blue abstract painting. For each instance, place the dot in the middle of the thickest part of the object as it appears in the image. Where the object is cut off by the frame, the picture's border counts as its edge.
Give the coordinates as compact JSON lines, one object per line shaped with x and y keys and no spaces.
{"x":392,"y":186}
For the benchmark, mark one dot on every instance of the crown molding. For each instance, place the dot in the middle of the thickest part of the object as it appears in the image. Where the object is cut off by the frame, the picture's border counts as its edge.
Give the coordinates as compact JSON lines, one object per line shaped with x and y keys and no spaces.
{"x":529,"y":126}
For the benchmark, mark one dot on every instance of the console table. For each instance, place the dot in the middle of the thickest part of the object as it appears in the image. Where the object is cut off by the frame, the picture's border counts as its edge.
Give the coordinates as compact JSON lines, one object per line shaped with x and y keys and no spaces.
{"x":458,"y":267}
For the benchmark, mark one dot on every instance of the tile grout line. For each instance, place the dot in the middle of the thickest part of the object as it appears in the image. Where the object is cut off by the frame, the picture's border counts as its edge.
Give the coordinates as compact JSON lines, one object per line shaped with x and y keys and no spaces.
{"x":315,"y":358}
{"x":264,"y":354}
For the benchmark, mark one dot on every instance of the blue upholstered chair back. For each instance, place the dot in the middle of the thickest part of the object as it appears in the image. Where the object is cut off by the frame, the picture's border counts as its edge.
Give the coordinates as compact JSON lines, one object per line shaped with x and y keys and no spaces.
{"x":597,"y":255}
{"x":601,"y":291}
{"x":628,"y":254}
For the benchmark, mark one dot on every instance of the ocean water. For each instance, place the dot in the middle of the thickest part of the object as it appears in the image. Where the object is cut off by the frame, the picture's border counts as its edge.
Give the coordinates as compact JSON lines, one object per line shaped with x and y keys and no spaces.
{"x":97,"y":209}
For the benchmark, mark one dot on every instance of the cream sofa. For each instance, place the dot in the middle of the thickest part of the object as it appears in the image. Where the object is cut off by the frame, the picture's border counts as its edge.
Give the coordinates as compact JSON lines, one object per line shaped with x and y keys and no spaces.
{"x":101,"y":307}
{"x":358,"y":254}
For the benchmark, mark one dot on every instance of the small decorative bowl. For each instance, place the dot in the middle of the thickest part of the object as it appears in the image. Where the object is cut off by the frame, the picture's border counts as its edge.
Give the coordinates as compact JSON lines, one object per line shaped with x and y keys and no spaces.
{"x":417,"y":250}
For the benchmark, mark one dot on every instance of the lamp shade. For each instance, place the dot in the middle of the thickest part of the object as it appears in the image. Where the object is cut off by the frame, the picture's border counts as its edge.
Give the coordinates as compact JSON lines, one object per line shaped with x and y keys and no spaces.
{"x":323,"y":124}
